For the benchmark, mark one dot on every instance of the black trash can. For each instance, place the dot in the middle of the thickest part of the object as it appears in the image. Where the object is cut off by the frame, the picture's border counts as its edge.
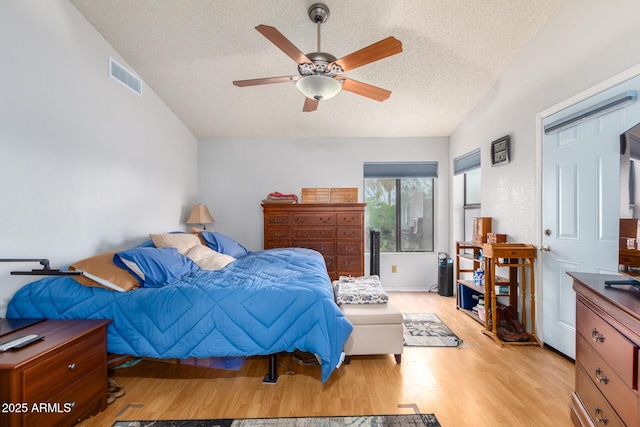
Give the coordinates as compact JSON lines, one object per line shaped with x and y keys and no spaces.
{"x":445,"y":275}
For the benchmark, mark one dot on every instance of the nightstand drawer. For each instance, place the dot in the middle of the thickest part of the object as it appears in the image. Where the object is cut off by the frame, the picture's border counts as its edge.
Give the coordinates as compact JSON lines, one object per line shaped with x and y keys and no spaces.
{"x":614,"y":347}
{"x":60,"y":370}
{"x":73,"y":403}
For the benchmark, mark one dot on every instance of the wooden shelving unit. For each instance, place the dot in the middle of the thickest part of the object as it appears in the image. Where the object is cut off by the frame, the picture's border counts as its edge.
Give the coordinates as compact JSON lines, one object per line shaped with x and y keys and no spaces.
{"x":508,"y":257}
{"x":468,"y":259}
{"x":516,"y":257}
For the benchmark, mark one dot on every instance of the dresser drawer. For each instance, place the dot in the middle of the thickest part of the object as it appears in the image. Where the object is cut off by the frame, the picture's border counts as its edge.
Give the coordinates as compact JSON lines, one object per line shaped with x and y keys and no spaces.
{"x":325,"y":248}
{"x":350,"y":233}
{"x":594,"y":402}
{"x":349,"y":264}
{"x":349,"y":248}
{"x":317,"y":233}
{"x":331,"y":264}
{"x":607,"y":381}
{"x":314,"y":219}
{"x":86,"y":397}
{"x":610,"y":344}
{"x":278,"y":233}
{"x":353,"y":219}
{"x":63,"y":369}
{"x":272,"y":244}
{"x":275,"y":219}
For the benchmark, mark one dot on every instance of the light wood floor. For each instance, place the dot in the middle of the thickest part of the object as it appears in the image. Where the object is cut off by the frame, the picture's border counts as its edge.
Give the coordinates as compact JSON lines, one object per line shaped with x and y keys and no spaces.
{"x":480,"y":384}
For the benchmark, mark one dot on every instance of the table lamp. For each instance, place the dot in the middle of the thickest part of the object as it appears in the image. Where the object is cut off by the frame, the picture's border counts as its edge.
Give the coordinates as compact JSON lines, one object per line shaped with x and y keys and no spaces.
{"x":200,"y":215}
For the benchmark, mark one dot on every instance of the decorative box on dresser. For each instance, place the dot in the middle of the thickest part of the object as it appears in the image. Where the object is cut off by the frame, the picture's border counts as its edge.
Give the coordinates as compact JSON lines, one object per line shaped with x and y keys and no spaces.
{"x":336,"y":230}
{"x":607,"y":352}
{"x":58,"y":380}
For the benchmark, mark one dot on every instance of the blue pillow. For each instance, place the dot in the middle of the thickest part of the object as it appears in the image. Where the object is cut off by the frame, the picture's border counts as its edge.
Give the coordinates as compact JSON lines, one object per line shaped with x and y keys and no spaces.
{"x":155,"y":267}
{"x":223,"y":244}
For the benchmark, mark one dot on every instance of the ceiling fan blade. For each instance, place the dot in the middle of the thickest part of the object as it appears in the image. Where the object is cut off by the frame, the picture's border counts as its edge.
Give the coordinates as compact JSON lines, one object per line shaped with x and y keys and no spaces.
{"x":309,"y":105}
{"x":264,"y":81}
{"x":283,"y":43}
{"x":382,"y":49}
{"x":365,"y":89}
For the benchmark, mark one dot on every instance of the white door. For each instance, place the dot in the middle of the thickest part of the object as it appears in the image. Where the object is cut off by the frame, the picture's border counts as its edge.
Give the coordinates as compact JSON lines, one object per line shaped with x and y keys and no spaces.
{"x":580,"y":208}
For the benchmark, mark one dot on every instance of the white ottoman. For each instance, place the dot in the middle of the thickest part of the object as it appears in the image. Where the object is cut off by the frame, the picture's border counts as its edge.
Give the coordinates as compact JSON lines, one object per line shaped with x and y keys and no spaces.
{"x":377,"y":329}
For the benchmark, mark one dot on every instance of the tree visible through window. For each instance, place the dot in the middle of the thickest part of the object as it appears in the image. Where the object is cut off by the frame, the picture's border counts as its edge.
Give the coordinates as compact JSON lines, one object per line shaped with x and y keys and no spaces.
{"x":402,"y":209}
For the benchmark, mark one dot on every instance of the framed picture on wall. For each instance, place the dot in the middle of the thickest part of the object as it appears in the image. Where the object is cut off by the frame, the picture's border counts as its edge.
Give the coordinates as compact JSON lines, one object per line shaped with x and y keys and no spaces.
{"x":500,"y":151}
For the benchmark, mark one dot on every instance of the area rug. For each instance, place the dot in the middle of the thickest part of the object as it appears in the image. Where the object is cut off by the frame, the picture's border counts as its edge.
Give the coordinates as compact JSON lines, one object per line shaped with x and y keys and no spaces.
{"x":410,"y":420}
{"x":427,"y":330}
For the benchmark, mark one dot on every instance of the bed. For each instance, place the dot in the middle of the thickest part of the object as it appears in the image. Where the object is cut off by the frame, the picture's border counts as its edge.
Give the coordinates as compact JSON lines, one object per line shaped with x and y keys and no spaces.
{"x":259,"y":303}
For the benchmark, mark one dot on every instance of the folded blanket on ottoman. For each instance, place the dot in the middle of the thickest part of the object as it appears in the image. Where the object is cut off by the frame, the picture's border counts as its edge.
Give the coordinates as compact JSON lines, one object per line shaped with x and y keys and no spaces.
{"x":360,"y":290}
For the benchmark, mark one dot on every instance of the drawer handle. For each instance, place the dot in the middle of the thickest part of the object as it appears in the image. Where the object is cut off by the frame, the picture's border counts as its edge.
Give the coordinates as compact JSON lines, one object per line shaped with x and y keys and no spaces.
{"x":597,"y":336}
{"x":601,"y":378}
{"x":600,"y":416}
{"x":72,"y":367}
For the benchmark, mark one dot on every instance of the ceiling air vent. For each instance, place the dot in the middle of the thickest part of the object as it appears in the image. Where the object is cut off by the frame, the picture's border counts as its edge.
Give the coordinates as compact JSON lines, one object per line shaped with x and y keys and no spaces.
{"x":125,"y":77}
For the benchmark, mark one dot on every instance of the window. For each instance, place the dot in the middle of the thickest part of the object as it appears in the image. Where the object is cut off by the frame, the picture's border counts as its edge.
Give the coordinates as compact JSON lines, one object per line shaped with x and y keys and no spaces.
{"x":471,"y":201}
{"x":400,"y":203}
{"x":469,"y":165}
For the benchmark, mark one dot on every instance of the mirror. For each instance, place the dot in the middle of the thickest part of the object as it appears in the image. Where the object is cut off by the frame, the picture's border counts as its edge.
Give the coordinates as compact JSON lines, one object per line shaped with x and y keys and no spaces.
{"x":629,"y":248}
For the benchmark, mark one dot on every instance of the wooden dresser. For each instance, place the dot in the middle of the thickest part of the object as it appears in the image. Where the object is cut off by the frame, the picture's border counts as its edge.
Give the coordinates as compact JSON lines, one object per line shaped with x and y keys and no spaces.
{"x":56,"y":381}
{"x":607,"y":352}
{"x":336,"y":230}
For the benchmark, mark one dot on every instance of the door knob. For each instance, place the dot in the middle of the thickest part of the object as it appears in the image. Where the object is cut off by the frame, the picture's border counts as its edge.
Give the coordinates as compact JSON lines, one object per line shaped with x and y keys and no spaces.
{"x":546,"y":249}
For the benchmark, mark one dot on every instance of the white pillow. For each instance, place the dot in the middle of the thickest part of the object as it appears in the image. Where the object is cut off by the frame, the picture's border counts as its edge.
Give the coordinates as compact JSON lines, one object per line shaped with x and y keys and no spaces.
{"x":183,"y":242}
{"x":208,"y":259}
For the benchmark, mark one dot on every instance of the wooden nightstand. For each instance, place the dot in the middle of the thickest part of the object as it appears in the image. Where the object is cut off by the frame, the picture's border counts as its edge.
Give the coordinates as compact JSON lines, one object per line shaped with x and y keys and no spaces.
{"x":58,"y":380}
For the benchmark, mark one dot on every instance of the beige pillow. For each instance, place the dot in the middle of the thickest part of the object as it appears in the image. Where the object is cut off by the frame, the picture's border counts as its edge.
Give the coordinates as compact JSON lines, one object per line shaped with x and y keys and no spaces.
{"x":183,"y":242}
{"x":99,"y":271}
{"x":208,"y":259}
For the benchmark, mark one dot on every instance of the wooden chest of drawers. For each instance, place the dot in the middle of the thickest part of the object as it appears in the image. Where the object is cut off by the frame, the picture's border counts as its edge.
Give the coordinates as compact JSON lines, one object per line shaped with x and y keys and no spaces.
{"x":336,"y":230}
{"x":58,"y":380}
{"x":607,"y":352}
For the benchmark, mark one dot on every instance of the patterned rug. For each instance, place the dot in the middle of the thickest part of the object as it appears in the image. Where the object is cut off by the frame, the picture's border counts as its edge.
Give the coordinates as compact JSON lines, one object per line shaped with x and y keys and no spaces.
{"x":411,"y":420}
{"x":427,"y":330}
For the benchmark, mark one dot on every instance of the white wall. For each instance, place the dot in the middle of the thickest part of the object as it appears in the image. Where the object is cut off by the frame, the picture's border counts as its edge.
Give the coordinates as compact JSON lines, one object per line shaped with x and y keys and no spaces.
{"x":234,"y":175}
{"x":583,"y":43}
{"x":85,"y":164}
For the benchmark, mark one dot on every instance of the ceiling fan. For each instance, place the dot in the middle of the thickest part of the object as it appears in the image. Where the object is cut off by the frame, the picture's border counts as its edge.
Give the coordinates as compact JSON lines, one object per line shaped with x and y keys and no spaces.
{"x":320,"y":73}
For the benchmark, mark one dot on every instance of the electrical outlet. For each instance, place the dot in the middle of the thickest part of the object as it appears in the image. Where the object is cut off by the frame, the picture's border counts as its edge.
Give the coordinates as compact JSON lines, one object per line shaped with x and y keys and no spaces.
{"x":394,"y":268}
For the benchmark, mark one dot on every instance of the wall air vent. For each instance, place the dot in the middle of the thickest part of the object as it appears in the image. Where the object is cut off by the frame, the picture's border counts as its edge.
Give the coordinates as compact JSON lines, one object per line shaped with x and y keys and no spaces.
{"x":122,"y":75}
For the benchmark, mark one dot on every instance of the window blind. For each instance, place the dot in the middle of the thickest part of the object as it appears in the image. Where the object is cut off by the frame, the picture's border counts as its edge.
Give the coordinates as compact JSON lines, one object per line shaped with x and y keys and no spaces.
{"x":401,"y":170}
{"x":466,"y":162}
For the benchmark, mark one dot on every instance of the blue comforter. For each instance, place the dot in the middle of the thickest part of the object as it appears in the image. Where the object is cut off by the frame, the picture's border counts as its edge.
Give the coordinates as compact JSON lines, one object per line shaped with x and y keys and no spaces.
{"x":263,"y":303}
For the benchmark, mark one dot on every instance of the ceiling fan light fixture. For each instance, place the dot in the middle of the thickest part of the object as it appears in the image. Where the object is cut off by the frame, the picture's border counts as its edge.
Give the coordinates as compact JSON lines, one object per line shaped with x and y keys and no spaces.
{"x":318,"y":87}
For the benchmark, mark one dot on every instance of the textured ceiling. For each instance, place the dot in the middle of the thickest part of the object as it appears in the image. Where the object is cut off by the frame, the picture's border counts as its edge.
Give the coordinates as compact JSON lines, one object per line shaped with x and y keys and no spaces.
{"x":190,"y":51}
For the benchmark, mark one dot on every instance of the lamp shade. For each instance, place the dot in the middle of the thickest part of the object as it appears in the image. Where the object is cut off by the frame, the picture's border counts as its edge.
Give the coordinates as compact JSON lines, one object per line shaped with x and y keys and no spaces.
{"x":200,"y":215}
{"x":318,"y":87}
